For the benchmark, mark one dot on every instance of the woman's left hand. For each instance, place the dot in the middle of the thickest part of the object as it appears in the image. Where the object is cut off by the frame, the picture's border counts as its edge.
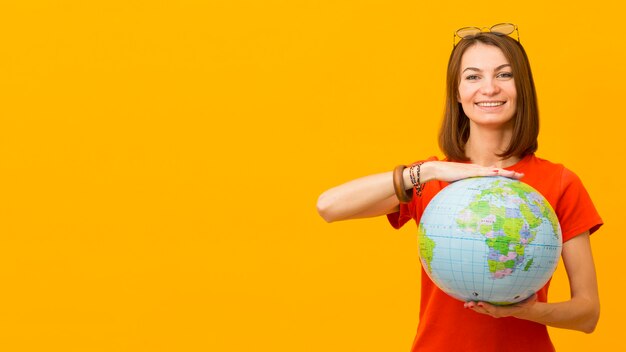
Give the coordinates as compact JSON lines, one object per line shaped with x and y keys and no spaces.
{"x":502,"y":311}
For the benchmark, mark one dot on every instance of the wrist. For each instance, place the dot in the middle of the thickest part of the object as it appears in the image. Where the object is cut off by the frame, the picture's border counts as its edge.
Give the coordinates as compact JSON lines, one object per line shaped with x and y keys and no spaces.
{"x":529,"y":309}
{"x":428,"y":171}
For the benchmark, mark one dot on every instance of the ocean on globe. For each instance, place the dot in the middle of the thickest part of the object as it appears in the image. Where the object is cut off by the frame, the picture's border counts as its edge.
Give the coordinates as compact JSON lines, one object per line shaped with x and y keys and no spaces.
{"x":491,"y":239}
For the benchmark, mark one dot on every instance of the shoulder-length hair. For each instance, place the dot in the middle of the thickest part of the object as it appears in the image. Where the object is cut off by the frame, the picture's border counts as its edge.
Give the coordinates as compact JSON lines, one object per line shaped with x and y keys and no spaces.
{"x":455,"y":126}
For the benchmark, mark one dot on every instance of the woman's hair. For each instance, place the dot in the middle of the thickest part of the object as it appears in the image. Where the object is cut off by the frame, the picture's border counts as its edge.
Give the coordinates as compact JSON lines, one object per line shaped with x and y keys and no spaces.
{"x":455,"y":126}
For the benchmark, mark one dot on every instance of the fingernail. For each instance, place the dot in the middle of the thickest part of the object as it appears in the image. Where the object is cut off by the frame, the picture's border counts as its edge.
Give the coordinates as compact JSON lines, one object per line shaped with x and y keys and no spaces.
{"x":480,"y":304}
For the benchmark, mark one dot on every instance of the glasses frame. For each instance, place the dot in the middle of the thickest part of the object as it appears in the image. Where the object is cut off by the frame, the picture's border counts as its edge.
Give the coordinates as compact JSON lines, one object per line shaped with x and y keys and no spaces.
{"x":483,"y":30}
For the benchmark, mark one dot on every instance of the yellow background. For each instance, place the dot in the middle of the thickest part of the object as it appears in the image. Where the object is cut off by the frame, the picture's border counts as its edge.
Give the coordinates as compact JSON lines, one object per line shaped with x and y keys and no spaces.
{"x":160,"y":163}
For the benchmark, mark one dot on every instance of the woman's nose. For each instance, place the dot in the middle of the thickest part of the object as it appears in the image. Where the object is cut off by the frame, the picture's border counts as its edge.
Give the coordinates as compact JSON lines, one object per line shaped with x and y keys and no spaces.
{"x":489,"y":87}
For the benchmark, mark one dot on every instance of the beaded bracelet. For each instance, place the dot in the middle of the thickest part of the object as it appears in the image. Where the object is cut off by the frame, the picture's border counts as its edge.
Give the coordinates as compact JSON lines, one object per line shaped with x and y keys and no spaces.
{"x":414,"y":173}
{"x":403,"y":195}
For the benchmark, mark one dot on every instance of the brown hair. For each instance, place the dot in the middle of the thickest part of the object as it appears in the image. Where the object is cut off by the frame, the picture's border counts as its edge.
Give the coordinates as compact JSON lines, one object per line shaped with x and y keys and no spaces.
{"x":455,"y":126}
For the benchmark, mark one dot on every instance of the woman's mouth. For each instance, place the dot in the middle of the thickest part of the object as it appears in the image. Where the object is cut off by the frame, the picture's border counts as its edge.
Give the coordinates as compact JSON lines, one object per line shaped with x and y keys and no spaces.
{"x":490,"y":104}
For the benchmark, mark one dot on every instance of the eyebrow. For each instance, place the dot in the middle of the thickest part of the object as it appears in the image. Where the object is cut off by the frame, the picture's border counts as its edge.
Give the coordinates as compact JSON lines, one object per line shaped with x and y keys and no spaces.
{"x":479,"y":70}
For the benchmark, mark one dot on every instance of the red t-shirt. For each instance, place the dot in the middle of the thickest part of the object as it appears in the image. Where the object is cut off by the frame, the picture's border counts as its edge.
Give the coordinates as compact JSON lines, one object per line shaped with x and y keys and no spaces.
{"x":444,"y":324}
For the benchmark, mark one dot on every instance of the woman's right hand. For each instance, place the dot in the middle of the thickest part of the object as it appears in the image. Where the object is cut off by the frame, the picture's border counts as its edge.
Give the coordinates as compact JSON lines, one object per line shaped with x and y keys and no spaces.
{"x":451,"y":171}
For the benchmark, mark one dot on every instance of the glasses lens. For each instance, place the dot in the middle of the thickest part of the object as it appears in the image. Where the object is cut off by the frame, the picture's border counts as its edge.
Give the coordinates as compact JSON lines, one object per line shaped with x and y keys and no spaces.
{"x":503,"y":28}
{"x":467,"y":31}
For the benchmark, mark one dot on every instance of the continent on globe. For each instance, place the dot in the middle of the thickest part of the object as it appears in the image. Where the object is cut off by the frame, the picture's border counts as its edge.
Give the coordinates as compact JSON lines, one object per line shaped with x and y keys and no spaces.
{"x":492,"y":239}
{"x":426,"y":248}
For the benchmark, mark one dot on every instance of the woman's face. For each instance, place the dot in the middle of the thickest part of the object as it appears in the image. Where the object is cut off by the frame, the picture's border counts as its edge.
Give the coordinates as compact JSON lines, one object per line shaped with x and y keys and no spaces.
{"x":487,"y":87}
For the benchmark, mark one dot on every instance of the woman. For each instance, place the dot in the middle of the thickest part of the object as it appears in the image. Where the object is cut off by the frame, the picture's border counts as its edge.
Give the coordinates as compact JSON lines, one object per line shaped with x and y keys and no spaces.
{"x":490,"y":128}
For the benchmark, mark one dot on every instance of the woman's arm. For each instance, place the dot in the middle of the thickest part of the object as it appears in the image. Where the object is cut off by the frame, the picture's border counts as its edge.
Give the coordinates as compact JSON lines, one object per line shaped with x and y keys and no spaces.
{"x":366,"y":196}
{"x":581,"y":312}
{"x":374,"y":195}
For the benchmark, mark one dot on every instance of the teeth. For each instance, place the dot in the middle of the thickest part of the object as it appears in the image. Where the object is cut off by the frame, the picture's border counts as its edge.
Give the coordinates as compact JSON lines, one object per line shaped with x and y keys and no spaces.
{"x":488,"y":104}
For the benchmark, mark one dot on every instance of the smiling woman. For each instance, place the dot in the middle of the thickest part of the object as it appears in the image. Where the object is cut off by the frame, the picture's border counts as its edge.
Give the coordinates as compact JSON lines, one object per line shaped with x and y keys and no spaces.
{"x":490,"y":66}
{"x":487,"y":89}
{"x":490,"y":127}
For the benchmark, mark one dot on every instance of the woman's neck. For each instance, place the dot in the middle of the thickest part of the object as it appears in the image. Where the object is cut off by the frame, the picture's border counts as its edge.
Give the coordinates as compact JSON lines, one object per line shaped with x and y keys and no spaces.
{"x":483,"y":145}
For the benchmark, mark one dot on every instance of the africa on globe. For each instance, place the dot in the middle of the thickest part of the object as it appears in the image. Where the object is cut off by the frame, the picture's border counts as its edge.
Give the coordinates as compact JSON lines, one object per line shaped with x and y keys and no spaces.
{"x":490,"y":239}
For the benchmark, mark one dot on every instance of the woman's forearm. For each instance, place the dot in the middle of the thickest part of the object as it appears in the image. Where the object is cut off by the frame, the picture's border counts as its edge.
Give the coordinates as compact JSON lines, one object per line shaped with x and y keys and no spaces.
{"x":576,"y":314}
{"x":361,"y":195}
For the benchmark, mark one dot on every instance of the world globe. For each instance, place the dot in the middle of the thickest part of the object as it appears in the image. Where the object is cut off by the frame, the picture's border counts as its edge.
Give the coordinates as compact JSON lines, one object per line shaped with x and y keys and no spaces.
{"x":490,"y":239}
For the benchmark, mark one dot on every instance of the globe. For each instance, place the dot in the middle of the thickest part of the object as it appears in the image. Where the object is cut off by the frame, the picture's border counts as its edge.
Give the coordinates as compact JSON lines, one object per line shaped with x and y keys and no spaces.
{"x":490,"y":239}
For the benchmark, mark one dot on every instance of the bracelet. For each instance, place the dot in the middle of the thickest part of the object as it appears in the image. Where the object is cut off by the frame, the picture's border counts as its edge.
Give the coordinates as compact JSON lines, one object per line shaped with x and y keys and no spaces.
{"x":398,"y":185}
{"x":414,"y":172}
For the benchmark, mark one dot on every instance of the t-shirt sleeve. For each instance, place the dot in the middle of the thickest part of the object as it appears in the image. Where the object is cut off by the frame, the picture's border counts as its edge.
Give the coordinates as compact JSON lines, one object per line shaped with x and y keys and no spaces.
{"x":401,"y":217}
{"x":575,"y":208}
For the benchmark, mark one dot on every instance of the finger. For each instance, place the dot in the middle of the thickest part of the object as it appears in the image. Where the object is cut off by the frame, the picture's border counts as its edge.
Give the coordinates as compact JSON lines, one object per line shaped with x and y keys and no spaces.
{"x":489,"y":171}
{"x":485,"y":308}
{"x":514,"y":174}
{"x":508,"y":173}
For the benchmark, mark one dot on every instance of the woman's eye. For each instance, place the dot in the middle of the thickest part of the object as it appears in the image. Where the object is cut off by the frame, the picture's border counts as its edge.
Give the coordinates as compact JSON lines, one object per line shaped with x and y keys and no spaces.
{"x":505,"y":75}
{"x":471,"y":77}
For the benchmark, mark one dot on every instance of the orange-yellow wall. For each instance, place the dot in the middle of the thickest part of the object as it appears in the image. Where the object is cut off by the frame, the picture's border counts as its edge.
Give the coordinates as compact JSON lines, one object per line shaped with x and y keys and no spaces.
{"x":160,"y":163}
